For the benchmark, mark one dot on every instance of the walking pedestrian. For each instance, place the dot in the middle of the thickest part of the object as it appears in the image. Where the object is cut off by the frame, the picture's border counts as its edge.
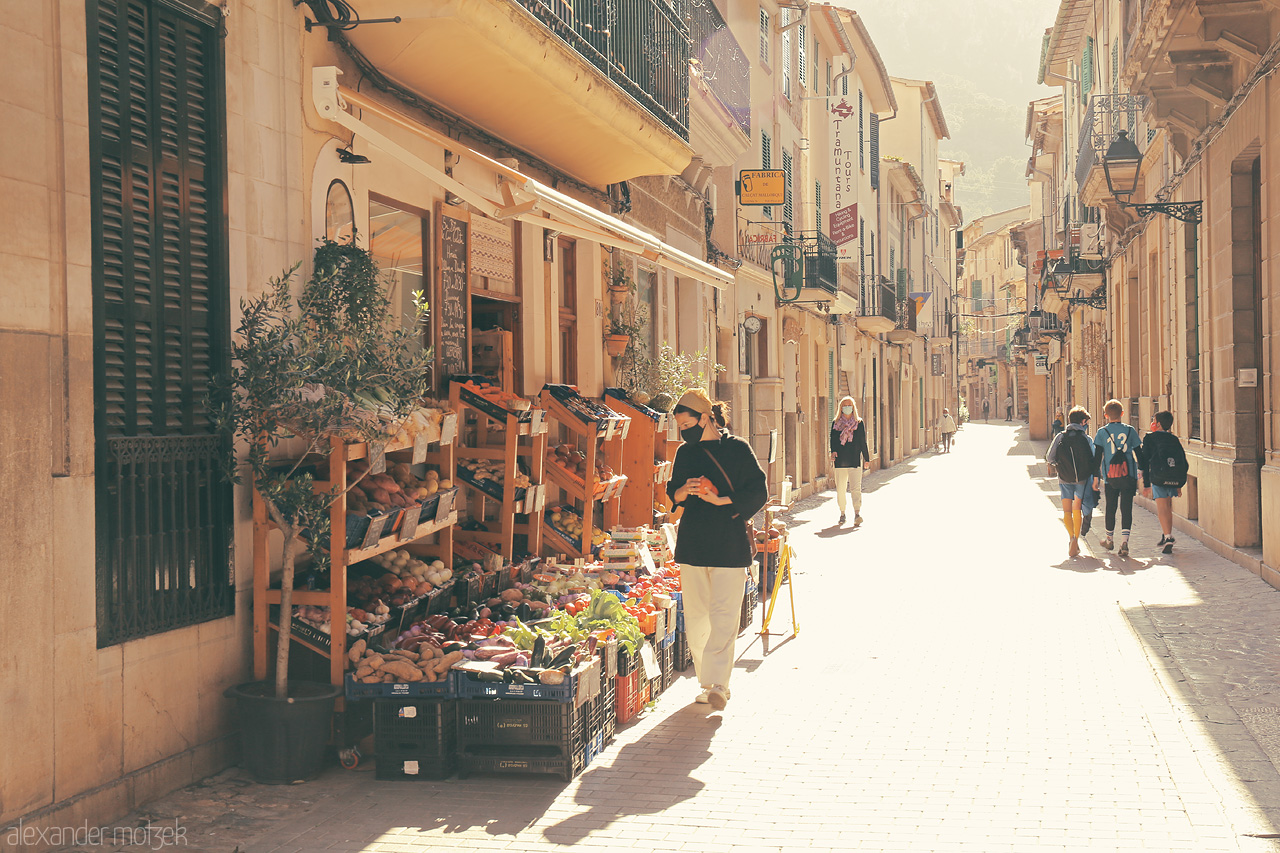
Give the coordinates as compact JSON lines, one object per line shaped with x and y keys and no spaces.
{"x":716,"y":479}
{"x":849,"y":456}
{"x":948,"y":430}
{"x":1164,"y":474}
{"x":1057,"y":425}
{"x":986,"y":409}
{"x":1071,"y":454}
{"x":1118,"y":448}
{"x":1008,"y":407}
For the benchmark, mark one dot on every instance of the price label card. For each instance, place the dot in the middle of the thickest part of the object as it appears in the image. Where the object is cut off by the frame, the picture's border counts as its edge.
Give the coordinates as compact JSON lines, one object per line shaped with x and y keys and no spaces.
{"x":377,"y":458}
{"x":420,"y":445}
{"x":535,"y":422}
{"x":609,"y":426}
{"x":647,"y":566}
{"x":446,"y":505}
{"x":374,"y":533}
{"x":409,"y":528}
{"x":648,"y":662}
{"x":449,"y":428}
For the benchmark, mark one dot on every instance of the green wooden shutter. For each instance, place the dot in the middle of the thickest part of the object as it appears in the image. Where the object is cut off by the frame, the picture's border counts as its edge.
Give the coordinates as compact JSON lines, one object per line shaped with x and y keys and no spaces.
{"x":1086,"y":70}
{"x":875,"y":151}
{"x":766,"y":162}
{"x":977,"y":294}
{"x":788,"y":206}
{"x":902,"y":283}
{"x":862,"y":136}
{"x":161,"y":305}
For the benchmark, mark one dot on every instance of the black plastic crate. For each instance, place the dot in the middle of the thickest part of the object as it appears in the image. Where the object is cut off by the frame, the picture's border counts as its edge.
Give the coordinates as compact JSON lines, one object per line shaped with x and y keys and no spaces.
{"x":414,"y":739}
{"x":414,"y":725}
{"x":748,"y":607}
{"x":505,"y":760}
{"x":668,"y":666}
{"x":682,"y":656}
{"x":518,"y":722}
{"x":410,"y":766}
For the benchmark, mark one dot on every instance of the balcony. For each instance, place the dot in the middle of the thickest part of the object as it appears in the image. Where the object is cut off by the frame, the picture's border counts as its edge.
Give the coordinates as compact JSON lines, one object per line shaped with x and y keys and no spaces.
{"x":719,"y":87}
{"x":1107,"y":115}
{"x":878,"y":311}
{"x":600,"y":91}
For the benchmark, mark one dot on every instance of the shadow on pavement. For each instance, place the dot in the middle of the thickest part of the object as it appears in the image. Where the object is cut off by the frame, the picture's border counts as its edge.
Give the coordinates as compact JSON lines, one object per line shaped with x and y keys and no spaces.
{"x":680,"y":744}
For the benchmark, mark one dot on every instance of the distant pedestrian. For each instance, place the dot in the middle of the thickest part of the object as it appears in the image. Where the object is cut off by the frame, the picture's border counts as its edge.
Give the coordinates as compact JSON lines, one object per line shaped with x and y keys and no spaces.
{"x":1071,"y":454}
{"x":849,"y":456}
{"x":1118,"y":448}
{"x":1008,"y":407}
{"x":948,"y":430}
{"x":1164,"y":474}
{"x":1057,"y":423}
{"x":986,"y":409}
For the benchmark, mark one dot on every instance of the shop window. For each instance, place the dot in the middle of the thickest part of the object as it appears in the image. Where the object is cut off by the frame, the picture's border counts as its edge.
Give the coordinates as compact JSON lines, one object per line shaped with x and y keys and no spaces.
{"x":161,"y":324}
{"x":398,"y":236}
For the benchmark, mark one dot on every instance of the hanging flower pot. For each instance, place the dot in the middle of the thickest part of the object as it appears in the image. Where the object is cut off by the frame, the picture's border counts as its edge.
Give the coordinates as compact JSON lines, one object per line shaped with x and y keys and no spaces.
{"x":616,"y":345}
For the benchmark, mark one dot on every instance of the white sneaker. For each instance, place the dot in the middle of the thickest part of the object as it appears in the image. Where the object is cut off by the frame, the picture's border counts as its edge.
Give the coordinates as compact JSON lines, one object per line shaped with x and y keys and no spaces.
{"x":718,"y":697}
{"x":701,"y":698}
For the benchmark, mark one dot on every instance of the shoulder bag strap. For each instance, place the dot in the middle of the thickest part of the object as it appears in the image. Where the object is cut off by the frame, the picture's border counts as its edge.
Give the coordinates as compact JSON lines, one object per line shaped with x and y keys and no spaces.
{"x":721,"y":467}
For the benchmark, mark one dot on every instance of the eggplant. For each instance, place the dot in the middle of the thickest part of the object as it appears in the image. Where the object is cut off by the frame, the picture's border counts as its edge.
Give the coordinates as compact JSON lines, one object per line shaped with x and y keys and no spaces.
{"x":539,"y":650}
{"x":564,"y":658}
{"x":489,"y":675}
{"x":524,"y":612}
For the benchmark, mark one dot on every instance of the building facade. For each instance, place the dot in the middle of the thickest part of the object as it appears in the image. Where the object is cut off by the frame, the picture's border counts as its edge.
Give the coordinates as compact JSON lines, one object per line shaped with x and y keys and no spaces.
{"x":170,"y":157}
{"x":1178,"y":301}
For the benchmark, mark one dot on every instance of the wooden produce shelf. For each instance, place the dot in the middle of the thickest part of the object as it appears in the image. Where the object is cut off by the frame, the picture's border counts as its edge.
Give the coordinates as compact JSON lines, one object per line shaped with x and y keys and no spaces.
{"x":333,"y":471}
{"x":647,"y":455}
{"x":505,"y":447}
{"x":606,"y":435}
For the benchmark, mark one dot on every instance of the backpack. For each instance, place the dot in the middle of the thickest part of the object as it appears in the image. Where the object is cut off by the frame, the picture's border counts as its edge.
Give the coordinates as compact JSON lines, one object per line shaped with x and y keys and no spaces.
{"x":1074,"y":456}
{"x":1118,"y":473}
{"x":1166,"y":464}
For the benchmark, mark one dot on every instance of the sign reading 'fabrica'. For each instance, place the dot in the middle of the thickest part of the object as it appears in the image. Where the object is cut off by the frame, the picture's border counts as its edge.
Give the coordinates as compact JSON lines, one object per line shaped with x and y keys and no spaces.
{"x":843,"y":221}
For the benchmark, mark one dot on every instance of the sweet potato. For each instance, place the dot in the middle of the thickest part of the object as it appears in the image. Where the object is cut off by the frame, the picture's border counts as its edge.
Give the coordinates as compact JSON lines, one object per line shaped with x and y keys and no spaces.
{"x":373,"y":678}
{"x":407,"y":654}
{"x":402,"y":670}
{"x":357,"y":651}
{"x":375,"y":660}
{"x":363,"y":671}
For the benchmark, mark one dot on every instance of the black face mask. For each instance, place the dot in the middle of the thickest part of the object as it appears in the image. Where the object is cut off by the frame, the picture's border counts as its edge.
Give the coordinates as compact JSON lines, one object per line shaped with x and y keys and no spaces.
{"x":692,"y":434}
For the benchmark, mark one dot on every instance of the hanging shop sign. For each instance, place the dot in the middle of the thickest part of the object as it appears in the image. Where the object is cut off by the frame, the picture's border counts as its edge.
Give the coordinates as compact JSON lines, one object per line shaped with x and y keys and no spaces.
{"x":1042,"y":364}
{"x":492,"y":249}
{"x":919,"y":298}
{"x":762,"y":186}
{"x":843,"y":221}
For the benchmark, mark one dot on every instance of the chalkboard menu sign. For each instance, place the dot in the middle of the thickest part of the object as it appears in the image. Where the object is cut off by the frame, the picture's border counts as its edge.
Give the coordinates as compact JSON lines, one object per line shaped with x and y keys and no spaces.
{"x":452,"y":302}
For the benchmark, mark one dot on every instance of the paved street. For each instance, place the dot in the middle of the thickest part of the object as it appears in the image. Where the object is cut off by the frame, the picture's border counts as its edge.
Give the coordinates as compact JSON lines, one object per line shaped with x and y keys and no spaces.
{"x":958,"y":684}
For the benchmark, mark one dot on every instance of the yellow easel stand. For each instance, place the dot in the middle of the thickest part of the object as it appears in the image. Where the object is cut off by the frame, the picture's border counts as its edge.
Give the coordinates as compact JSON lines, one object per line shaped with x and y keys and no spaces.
{"x":785,"y":555}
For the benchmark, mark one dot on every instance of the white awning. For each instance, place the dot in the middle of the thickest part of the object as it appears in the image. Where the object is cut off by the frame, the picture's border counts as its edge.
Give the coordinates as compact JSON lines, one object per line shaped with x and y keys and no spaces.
{"x":523,"y":197}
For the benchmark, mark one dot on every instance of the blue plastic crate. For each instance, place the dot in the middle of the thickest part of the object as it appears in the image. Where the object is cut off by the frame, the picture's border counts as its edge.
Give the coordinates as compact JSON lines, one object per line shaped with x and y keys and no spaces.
{"x":468,"y":687}
{"x":402,"y":690}
{"x":667,"y":640}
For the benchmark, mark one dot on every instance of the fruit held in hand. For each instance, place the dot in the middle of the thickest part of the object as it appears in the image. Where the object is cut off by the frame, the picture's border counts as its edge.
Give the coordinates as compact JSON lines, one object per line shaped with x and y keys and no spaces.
{"x":707,"y":487}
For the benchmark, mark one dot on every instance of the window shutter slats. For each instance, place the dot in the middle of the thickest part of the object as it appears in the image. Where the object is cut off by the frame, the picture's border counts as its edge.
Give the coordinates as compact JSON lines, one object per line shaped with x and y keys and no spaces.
{"x":875,"y":151}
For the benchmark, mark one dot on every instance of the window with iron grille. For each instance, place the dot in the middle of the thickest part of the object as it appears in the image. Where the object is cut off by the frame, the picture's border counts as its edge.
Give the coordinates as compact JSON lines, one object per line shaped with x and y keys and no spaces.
{"x":764,"y":36}
{"x":875,"y":151}
{"x":788,"y":206}
{"x":766,"y":162}
{"x":804,"y":56}
{"x":161,"y":306}
{"x":844,"y":84}
{"x":828,"y":78}
{"x":817,"y":205}
{"x":1115,"y":67}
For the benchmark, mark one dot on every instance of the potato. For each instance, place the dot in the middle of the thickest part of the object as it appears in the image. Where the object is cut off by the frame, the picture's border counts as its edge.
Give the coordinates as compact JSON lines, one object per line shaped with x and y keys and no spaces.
{"x":364,"y":671}
{"x":357,"y":650}
{"x":403,"y":670}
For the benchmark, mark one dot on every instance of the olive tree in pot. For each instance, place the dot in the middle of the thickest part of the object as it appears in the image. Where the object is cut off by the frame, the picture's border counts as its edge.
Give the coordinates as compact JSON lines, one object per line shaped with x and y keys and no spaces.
{"x":333,"y":361}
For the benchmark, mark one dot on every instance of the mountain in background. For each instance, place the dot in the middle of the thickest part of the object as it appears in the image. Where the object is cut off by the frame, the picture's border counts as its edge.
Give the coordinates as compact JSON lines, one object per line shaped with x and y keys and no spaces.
{"x":983,"y":56}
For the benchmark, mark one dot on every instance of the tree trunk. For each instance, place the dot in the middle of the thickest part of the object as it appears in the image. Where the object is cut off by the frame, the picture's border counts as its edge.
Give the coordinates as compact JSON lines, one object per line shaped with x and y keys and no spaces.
{"x":286,"y":613}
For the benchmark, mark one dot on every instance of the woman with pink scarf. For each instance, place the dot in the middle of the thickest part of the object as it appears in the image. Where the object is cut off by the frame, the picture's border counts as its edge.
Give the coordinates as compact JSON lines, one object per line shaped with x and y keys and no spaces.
{"x":849,"y":455}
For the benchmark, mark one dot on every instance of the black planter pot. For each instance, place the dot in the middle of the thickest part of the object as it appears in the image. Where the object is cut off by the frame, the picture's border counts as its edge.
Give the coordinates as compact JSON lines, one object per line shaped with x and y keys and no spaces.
{"x":284,"y":740}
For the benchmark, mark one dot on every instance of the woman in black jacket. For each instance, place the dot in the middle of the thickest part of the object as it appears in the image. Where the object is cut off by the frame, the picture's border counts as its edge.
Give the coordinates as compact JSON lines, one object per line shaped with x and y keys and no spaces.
{"x":849,"y":455}
{"x":718,"y":481}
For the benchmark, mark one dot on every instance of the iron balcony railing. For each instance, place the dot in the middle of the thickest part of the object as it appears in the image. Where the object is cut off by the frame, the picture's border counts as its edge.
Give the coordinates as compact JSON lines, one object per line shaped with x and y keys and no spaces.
{"x":1106,"y":116}
{"x":718,"y":59}
{"x":641,"y":45}
{"x":820,"y":268}
{"x":878,"y":299}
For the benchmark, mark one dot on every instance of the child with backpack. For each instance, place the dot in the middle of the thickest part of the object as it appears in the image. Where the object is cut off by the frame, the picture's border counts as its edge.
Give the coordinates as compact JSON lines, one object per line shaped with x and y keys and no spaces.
{"x":1071,"y":454}
{"x":1118,"y":448}
{"x":1164,"y":474}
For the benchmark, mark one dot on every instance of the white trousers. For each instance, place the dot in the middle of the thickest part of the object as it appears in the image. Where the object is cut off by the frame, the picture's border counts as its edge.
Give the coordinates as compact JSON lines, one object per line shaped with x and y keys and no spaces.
{"x":852,"y":478}
{"x":712,"y":599}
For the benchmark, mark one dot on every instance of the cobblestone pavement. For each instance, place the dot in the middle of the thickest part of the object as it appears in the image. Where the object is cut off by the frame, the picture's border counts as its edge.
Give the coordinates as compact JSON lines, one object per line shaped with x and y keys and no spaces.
{"x":958,"y":684}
